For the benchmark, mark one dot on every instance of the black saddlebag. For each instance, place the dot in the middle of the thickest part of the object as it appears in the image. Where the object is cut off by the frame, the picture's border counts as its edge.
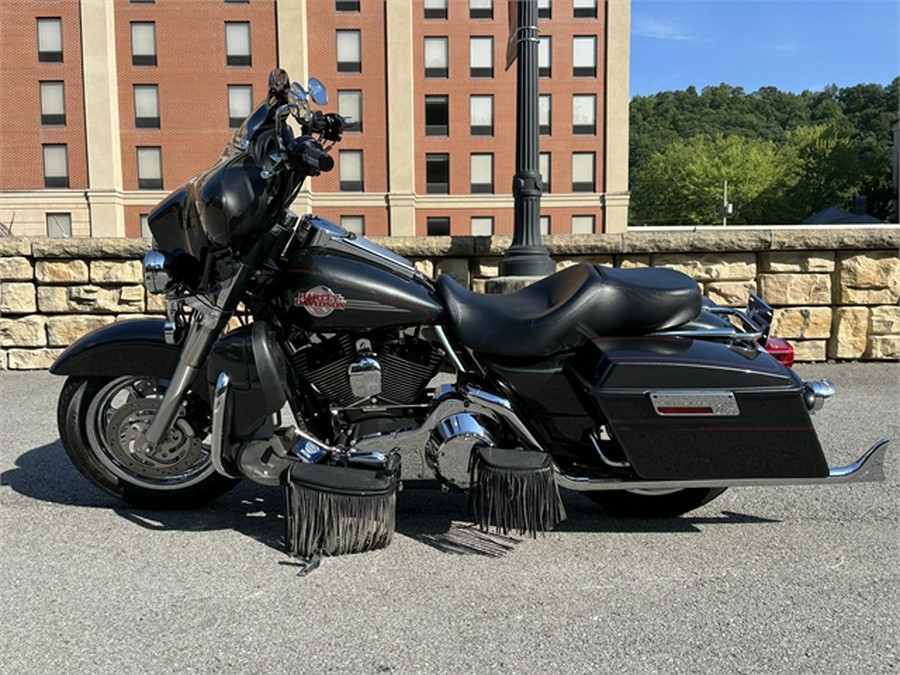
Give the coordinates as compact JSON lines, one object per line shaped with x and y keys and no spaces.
{"x":681,"y":409}
{"x":332,"y":510}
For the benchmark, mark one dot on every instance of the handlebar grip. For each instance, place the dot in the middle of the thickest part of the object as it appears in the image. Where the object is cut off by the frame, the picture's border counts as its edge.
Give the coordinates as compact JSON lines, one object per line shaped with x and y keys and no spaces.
{"x":314,"y":159}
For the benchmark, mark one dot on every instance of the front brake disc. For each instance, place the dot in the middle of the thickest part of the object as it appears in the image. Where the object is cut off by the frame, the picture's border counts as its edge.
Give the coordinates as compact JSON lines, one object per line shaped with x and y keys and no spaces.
{"x":176,"y":454}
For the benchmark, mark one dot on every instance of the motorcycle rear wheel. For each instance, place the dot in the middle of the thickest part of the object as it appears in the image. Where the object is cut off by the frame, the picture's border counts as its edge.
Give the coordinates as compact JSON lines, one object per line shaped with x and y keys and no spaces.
{"x":653,"y":503}
{"x":101,"y":422}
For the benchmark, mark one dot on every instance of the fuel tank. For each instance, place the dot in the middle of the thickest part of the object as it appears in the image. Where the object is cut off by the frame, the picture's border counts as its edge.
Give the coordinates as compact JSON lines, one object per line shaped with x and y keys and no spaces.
{"x":342,"y":281}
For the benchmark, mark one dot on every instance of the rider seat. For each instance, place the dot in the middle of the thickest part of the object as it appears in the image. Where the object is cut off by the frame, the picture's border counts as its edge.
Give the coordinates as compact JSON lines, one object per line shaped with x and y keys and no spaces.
{"x":570,"y":308}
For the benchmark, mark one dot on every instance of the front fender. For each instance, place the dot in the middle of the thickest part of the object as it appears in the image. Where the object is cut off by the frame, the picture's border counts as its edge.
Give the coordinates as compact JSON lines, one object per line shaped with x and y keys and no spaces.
{"x":135,"y":347}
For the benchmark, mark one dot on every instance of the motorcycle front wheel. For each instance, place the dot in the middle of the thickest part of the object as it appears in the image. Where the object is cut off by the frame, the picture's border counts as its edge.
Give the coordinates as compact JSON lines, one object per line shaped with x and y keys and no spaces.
{"x":101,"y":424}
{"x":653,"y":503}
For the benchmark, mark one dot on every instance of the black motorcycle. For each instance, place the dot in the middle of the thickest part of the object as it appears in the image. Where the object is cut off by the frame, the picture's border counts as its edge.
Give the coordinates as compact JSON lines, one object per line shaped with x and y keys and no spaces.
{"x":296,"y":353}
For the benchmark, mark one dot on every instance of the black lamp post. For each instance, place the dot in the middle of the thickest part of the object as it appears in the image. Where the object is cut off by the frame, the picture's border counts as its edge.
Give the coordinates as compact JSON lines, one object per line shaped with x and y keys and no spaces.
{"x":527,"y":256}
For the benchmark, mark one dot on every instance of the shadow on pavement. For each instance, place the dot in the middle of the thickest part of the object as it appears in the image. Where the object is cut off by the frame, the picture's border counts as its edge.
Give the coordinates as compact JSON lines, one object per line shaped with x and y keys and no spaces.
{"x":425,"y":514}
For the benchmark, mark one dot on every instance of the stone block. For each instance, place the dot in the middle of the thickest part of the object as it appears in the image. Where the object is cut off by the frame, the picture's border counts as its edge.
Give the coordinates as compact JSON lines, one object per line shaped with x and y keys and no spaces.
{"x":90,"y":299}
{"x":17,"y":298}
{"x":884,"y":348}
{"x":26,"y":331}
{"x":458,"y":268}
{"x":797,"y":261}
{"x":64,"y":330}
{"x":802,"y":322}
{"x":3,"y":360}
{"x":730,"y":293}
{"x":809,"y":350}
{"x":10,"y":246}
{"x":109,"y":272}
{"x":479,"y":285}
{"x":870,"y":278}
{"x":487,"y":267}
{"x":426,"y":267}
{"x":710,"y":266}
{"x":849,"y":336}
{"x":89,"y":248}
{"x":32,"y":359}
{"x":52,"y":299}
{"x":155,"y":303}
{"x":16,"y":268}
{"x":795,"y":289}
{"x":885,"y":320}
{"x":629,"y":262}
{"x":564,"y":263}
{"x":61,"y":271}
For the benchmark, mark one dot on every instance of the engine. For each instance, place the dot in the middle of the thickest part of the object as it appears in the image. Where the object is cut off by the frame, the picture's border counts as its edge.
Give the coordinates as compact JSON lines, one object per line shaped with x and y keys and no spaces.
{"x":367,"y":368}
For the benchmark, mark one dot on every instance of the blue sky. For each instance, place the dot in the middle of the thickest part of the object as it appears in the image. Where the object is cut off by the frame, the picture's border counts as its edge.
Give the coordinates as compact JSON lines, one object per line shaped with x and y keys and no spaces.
{"x":789,"y":44}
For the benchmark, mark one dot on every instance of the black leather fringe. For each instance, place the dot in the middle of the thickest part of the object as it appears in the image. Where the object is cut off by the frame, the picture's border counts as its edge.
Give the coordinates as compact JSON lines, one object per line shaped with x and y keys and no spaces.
{"x":334,"y":524}
{"x":525,"y":501}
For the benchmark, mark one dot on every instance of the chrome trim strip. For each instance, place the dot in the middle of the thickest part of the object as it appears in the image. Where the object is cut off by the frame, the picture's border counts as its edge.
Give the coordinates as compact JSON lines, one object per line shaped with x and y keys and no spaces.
{"x":219,"y":410}
{"x":867,"y":469}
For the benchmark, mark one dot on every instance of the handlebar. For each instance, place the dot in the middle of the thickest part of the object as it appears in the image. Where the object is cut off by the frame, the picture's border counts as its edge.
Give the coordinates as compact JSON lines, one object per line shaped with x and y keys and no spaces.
{"x":310,"y":153}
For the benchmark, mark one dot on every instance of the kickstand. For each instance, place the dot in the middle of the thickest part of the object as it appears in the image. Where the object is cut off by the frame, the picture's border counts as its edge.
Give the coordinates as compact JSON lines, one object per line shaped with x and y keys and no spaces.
{"x":307,"y":565}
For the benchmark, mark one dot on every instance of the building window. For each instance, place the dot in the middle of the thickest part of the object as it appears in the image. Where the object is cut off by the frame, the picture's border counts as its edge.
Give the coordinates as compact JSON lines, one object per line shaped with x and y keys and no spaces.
{"x":584,"y":56}
{"x":349,"y":51}
{"x":143,"y":43}
{"x":584,"y":114}
{"x":583,"y":171}
{"x":481,"y":170}
{"x":544,"y":57}
{"x":482,"y":226}
{"x":481,"y":115}
{"x":240,"y":103}
{"x":545,"y":225}
{"x":346,"y":5}
{"x":438,"y":226}
{"x":53,"y":104}
{"x":146,"y":106}
{"x":237,"y":43}
{"x":582,"y":224}
{"x":437,"y":174}
{"x":350,"y":107}
{"x":59,"y":225}
{"x":149,"y":169}
{"x":49,"y":40}
{"x":481,"y":9}
{"x":436,"y":57}
{"x":56,"y":166}
{"x":481,"y":57}
{"x":351,"y":170}
{"x":145,"y":226}
{"x":545,"y":171}
{"x":585,"y":9}
{"x":437,"y":115}
{"x":544,"y":9}
{"x":544,"y":101}
{"x":354,"y":224}
{"x":435,"y":9}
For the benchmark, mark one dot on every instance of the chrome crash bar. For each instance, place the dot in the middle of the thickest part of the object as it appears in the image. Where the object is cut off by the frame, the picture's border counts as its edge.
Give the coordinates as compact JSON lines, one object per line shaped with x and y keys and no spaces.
{"x":867,"y":469}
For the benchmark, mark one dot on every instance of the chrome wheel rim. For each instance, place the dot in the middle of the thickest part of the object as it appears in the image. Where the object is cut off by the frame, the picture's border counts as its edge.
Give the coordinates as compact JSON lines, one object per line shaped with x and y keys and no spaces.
{"x":117,"y":418}
{"x":653,"y":492}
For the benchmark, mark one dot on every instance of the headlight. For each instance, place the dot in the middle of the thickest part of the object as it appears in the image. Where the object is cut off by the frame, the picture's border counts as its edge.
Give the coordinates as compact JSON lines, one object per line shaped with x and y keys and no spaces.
{"x":159,"y":272}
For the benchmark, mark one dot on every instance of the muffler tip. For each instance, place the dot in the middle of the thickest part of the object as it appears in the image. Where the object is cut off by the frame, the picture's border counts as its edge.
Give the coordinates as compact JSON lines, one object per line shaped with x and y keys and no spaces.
{"x":816,"y":392}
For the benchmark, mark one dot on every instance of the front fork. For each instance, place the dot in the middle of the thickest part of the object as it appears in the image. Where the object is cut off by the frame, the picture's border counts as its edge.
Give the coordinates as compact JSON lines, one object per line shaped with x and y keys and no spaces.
{"x":206,"y":325}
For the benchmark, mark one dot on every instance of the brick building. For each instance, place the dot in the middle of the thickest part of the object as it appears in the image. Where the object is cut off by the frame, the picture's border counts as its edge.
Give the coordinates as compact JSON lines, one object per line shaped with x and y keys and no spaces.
{"x":106,"y":105}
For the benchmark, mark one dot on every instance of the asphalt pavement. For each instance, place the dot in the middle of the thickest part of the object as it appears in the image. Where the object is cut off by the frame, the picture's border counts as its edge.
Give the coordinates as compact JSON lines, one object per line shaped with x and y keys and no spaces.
{"x":787,"y":579}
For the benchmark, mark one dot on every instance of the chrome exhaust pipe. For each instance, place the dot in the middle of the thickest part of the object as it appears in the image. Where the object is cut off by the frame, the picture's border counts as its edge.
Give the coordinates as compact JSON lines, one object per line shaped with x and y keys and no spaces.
{"x":867,"y":469}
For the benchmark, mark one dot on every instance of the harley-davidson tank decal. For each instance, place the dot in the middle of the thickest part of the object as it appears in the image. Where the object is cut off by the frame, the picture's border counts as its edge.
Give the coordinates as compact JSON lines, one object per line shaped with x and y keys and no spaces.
{"x":320,"y":301}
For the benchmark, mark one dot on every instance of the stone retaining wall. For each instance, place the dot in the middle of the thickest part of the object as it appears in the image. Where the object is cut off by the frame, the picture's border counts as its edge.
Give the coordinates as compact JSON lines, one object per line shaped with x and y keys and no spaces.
{"x":836,"y":291}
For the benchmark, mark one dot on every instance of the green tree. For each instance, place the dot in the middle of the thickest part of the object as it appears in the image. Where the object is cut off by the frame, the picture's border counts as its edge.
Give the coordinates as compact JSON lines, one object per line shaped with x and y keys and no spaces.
{"x":682,"y":185}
